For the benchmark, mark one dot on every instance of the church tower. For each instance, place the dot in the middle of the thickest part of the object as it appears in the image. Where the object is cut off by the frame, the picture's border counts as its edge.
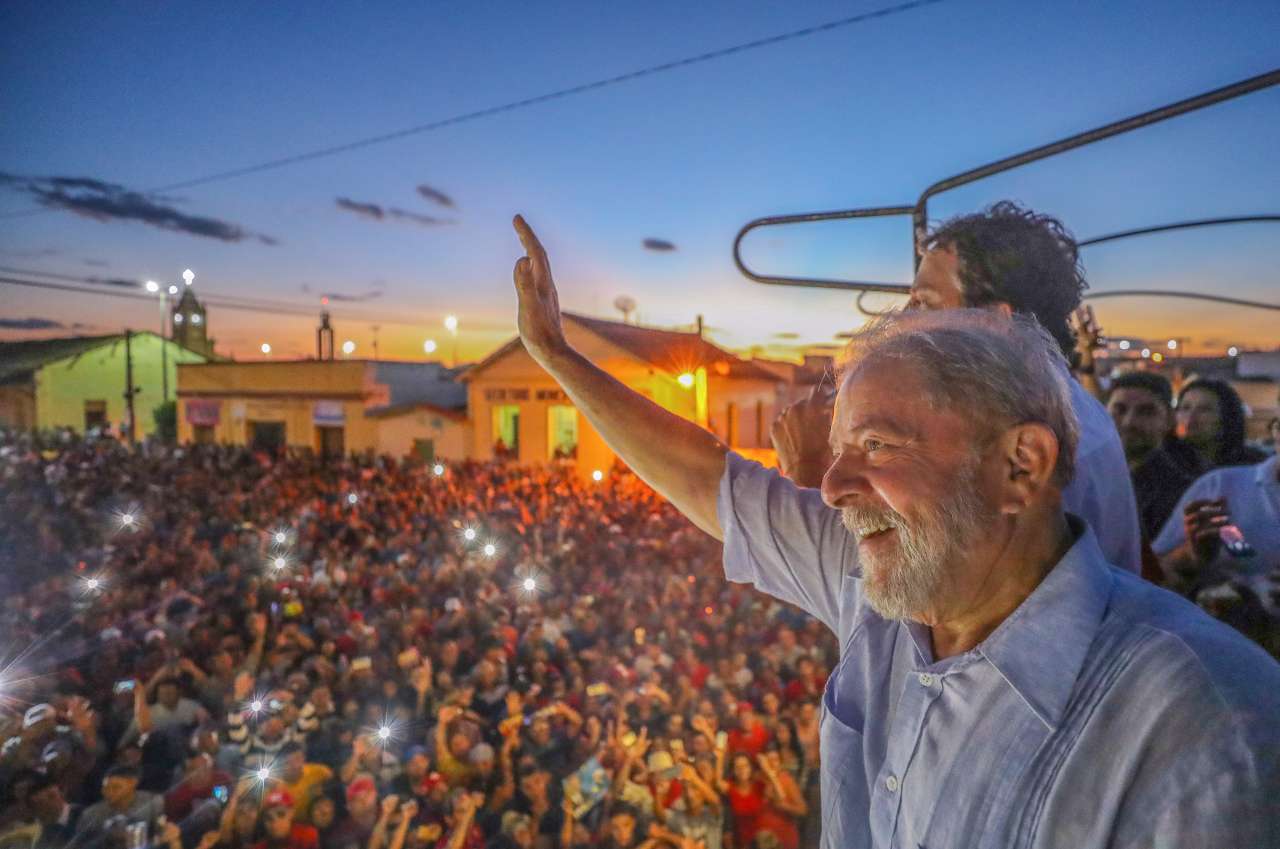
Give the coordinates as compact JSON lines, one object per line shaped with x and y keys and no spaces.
{"x":190,"y":329}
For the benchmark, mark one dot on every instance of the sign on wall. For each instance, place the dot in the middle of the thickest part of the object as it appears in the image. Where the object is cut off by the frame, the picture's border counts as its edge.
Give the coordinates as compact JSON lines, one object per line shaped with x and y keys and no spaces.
{"x":203,"y":412}
{"x":328,"y":413}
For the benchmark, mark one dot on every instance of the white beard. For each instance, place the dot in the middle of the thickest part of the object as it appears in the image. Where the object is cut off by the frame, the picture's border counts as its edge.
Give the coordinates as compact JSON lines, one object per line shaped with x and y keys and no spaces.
{"x":904,"y":583}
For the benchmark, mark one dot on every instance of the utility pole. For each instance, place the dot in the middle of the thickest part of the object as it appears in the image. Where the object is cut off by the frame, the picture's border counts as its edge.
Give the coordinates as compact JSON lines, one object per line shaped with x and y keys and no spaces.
{"x":164,"y":347}
{"x":129,"y":391}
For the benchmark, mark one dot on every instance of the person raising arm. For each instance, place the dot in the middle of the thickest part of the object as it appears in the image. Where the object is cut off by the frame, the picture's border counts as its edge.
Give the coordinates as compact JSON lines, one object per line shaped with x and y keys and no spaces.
{"x":684,"y":465}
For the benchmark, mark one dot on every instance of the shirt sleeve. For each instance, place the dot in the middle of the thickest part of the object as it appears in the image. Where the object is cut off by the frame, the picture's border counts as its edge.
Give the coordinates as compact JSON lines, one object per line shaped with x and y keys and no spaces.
{"x":783,"y":539}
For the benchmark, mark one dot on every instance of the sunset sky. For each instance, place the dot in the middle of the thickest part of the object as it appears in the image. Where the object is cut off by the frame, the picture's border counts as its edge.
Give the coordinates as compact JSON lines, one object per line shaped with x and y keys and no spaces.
{"x":637,"y":188}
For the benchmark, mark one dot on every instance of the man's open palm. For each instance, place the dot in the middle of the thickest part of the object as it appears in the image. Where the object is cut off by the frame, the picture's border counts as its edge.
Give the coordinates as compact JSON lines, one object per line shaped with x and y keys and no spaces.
{"x":539,"y":315}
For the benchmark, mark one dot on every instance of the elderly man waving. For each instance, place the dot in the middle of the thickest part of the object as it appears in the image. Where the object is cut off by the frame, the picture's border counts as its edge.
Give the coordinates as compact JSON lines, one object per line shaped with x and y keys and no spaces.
{"x":1000,"y":684}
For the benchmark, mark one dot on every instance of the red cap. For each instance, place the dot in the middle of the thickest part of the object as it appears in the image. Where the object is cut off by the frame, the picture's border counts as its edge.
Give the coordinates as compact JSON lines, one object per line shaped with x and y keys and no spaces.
{"x":745,"y":706}
{"x":363,"y":784}
{"x":279,"y":798}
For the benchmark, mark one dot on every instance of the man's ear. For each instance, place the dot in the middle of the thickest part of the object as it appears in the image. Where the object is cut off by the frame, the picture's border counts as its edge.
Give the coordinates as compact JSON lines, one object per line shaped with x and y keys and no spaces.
{"x":1001,"y":307}
{"x":1028,"y":456}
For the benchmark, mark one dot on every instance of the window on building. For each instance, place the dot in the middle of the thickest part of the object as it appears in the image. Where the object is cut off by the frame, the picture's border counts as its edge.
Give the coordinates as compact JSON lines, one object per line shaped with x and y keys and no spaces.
{"x":95,"y":414}
{"x":506,"y":432}
{"x":424,"y":450}
{"x":731,"y":424}
{"x":562,"y":432}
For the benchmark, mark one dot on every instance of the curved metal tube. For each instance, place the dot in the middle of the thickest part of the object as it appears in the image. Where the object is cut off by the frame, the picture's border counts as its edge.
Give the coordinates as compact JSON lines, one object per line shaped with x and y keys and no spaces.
{"x":1169,"y":293}
{"x":818,"y":282}
{"x":1181,"y":225}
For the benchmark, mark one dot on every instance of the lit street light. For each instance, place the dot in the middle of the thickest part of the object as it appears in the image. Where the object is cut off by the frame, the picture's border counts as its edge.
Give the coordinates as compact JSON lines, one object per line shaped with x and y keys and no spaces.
{"x":451,"y":325}
{"x":152,"y":286}
{"x":1233,"y":351}
{"x":1124,"y":344}
{"x":266,"y":348}
{"x":1173,"y":344}
{"x":685,"y":380}
{"x":188,"y":276}
{"x":429,"y":346}
{"x":348,"y":347}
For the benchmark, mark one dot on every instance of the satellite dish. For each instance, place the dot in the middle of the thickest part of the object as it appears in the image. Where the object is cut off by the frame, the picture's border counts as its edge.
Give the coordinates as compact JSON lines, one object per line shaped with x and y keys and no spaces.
{"x":625,"y":304}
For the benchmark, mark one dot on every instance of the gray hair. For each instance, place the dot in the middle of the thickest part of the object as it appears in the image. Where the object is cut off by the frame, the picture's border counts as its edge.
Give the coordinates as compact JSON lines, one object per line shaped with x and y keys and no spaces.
{"x":999,"y":371}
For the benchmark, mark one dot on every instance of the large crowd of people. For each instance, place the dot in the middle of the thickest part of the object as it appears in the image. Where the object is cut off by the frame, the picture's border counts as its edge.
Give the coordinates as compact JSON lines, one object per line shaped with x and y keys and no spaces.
{"x":206,"y":647}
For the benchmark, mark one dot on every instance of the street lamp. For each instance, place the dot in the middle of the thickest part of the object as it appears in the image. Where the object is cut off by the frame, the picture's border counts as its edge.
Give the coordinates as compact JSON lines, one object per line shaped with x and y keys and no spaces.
{"x":266,"y":348}
{"x":348,"y":347}
{"x":188,"y":276}
{"x":429,"y":346}
{"x":152,"y":286}
{"x":451,"y":325}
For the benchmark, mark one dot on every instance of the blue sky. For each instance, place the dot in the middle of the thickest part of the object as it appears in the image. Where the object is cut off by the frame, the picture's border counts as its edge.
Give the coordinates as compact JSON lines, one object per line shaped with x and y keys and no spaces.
{"x":145,"y":95}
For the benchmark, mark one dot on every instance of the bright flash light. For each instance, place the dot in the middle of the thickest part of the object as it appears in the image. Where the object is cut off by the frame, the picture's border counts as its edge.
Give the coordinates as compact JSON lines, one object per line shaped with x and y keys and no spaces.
{"x":529,"y":585}
{"x":92,"y":583}
{"x":266,"y":348}
{"x":1124,"y":344}
{"x":352,"y":498}
{"x":597,"y":476}
{"x":1233,"y":351}
{"x":281,"y":536}
{"x":348,"y":347}
{"x":384,"y":733}
{"x":685,"y":380}
{"x":438,"y":470}
{"x":279,"y":563}
{"x":263,"y":774}
{"x":451,"y":323}
{"x":429,"y":346}
{"x":256,"y":707}
{"x":469,"y":534}
{"x":490,"y":549}
{"x":152,"y":286}
{"x":127,"y":520}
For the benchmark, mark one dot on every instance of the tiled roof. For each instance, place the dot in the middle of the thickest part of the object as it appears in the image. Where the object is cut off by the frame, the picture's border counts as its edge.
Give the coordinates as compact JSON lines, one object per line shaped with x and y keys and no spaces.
{"x":670,"y":350}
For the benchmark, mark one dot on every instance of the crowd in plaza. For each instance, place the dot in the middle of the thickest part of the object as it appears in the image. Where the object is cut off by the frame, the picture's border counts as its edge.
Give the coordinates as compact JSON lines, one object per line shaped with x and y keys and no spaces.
{"x":221,"y":649}
{"x":206,"y":646}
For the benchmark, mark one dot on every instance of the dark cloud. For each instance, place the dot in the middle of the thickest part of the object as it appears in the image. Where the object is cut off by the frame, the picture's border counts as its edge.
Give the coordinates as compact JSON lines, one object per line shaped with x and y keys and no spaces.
{"x":31,"y":323}
{"x":377,"y":212}
{"x":104,"y":201}
{"x":660,"y":245}
{"x":435,"y":196}
{"x":97,"y":263}
{"x":368,"y":210}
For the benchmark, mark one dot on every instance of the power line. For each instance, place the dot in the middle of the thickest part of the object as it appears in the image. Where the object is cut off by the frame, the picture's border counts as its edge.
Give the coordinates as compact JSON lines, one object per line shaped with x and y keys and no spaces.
{"x":215,"y":301}
{"x":510,"y":106}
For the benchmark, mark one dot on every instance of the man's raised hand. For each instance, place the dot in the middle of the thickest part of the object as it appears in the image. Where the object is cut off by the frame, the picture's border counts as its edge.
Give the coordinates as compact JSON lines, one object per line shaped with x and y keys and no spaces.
{"x":539,"y":311}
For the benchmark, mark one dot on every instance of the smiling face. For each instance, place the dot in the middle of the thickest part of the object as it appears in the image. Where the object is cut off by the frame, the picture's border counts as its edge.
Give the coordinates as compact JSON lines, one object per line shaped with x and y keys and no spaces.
{"x":906,"y":479}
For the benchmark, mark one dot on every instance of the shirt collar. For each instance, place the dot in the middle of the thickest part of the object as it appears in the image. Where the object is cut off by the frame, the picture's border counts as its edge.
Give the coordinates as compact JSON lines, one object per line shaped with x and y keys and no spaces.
{"x":1040,"y":648}
{"x":1266,"y":474}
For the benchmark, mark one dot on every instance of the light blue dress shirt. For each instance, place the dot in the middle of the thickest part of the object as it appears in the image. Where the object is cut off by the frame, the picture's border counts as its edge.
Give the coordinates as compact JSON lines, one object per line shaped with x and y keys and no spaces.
{"x":1103,"y":712}
{"x":1101,"y":492}
{"x":1253,"y":502}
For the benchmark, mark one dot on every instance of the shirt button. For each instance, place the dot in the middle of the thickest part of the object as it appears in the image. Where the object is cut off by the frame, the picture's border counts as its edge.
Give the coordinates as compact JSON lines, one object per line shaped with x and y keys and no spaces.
{"x":926,"y":680}
{"x":891,"y":784}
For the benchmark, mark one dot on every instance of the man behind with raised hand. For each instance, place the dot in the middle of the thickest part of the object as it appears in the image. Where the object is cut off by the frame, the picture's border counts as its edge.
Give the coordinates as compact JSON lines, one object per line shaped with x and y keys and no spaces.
{"x":1014,"y":261}
{"x":1000,"y":685}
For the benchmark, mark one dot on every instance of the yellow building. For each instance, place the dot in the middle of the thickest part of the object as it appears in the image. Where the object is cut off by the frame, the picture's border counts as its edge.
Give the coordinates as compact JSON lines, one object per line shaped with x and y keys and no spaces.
{"x":332,"y":407}
{"x":79,"y":382}
{"x":519,"y":412}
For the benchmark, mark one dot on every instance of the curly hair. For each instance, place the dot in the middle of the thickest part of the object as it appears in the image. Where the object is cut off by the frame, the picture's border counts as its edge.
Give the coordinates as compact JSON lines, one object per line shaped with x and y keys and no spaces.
{"x":1010,"y":254}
